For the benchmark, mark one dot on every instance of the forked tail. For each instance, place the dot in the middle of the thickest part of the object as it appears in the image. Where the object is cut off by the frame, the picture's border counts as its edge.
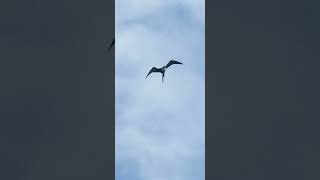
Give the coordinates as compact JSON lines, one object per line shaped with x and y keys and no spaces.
{"x":162,"y":77}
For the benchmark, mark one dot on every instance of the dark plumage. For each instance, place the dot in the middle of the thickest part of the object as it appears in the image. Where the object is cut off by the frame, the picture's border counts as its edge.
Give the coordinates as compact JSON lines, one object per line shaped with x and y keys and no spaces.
{"x":163,"y":69}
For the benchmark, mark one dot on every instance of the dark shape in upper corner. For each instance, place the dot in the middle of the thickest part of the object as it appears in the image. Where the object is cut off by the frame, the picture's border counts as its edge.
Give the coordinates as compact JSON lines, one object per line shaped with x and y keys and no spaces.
{"x":163,"y":69}
{"x":111,"y":45}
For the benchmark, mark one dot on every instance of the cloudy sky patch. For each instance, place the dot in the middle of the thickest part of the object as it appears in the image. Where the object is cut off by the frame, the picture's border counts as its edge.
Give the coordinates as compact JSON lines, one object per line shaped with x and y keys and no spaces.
{"x":160,"y":127}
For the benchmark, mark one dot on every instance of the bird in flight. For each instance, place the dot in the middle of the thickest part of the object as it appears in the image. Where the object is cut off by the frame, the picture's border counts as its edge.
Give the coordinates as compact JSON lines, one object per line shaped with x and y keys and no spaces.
{"x":111,"y":45}
{"x":163,"y":69}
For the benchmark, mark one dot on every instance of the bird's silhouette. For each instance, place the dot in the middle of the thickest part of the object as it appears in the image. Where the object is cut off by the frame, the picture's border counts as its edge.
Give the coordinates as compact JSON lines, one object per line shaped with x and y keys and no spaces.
{"x":163,"y":69}
{"x":111,"y":45}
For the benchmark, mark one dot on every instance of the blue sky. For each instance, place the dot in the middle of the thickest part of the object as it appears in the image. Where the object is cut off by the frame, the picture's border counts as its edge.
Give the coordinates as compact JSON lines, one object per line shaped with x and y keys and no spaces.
{"x":160,"y":128}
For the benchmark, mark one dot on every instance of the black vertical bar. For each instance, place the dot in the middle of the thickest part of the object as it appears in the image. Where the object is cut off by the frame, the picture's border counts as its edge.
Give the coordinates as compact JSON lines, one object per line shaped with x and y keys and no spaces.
{"x":262,"y":90}
{"x":57,"y":90}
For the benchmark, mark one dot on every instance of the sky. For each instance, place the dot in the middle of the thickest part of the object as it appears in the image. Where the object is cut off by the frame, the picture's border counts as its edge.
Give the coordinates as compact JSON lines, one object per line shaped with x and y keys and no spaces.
{"x":160,"y":128}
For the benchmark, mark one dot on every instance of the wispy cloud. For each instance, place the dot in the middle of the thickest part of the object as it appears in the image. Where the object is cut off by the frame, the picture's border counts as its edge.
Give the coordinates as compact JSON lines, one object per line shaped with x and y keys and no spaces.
{"x":132,"y":10}
{"x":159,"y":127}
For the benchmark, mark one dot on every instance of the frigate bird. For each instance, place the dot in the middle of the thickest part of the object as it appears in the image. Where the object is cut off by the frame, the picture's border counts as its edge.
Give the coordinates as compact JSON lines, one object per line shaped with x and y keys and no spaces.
{"x":111,"y":45}
{"x":163,"y":69}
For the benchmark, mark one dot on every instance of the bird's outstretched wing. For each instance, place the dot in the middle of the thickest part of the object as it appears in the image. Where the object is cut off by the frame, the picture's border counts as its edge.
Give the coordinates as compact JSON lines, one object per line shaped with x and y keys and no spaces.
{"x":154,"y":69}
{"x":111,"y":45}
{"x":171,"y":62}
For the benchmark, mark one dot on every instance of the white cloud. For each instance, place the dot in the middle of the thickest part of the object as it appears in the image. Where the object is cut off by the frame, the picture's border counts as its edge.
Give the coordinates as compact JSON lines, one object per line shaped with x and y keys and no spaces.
{"x":160,"y":127}
{"x":131,"y":10}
